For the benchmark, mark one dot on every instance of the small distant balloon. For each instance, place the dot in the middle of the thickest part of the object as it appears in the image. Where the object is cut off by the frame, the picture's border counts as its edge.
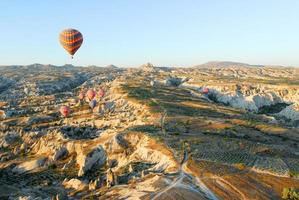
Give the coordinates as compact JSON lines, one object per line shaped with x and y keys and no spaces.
{"x":101,"y":93}
{"x":90,"y":94}
{"x":93,"y":104}
{"x":205,"y":90}
{"x":81,"y":96}
{"x":65,"y":111}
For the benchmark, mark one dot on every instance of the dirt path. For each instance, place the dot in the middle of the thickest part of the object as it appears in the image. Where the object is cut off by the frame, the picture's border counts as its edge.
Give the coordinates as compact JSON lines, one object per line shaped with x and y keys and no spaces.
{"x":203,"y":189}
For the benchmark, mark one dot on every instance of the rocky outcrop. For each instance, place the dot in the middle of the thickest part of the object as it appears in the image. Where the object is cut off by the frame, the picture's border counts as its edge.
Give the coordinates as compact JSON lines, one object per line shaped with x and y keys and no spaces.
{"x":5,"y":83}
{"x":87,"y":160}
{"x":148,"y":150}
{"x":9,"y":138}
{"x":175,"y":81}
{"x":148,"y":67}
{"x":116,"y":144}
{"x":59,"y":153}
{"x":291,"y":112}
{"x":30,"y":165}
{"x":253,"y":97}
{"x":2,"y":114}
{"x":93,"y":185}
{"x":39,"y":119}
{"x":74,"y":183}
{"x":111,"y":178}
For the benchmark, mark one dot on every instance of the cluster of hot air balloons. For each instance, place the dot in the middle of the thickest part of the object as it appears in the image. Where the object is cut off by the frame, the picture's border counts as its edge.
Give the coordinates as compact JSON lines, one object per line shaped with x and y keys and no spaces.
{"x":90,"y":94}
{"x":71,"y":40}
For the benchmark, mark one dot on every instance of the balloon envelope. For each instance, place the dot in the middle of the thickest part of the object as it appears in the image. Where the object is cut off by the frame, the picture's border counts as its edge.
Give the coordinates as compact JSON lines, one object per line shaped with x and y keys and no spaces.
{"x":90,"y":94}
{"x":101,"y":93}
{"x":205,"y":90}
{"x":81,"y":96}
{"x":71,"y":40}
{"x":93,"y":104}
{"x":65,"y":111}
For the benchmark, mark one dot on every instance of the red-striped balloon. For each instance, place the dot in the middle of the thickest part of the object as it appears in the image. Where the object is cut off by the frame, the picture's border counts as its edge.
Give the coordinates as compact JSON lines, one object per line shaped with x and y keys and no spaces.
{"x":90,"y":94}
{"x":71,"y":40}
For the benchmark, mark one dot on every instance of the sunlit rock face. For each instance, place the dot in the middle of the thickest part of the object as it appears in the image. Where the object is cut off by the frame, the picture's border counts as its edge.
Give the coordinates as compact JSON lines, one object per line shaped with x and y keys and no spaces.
{"x":221,"y":130}
{"x":291,"y":112}
{"x":256,"y":89}
{"x":29,"y":166}
{"x":87,"y":161}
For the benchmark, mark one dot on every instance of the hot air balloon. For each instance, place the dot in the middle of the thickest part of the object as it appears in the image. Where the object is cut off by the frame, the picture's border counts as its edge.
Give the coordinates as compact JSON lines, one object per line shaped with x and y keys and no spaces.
{"x":93,"y":104}
{"x":71,"y":40}
{"x":101,"y":93}
{"x":65,"y":111}
{"x":205,"y":90}
{"x":81,"y":96}
{"x":90,"y":94}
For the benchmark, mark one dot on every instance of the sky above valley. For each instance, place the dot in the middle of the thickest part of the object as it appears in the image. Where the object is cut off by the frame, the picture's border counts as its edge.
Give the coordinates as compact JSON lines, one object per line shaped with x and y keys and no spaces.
{"x":164,"y":32}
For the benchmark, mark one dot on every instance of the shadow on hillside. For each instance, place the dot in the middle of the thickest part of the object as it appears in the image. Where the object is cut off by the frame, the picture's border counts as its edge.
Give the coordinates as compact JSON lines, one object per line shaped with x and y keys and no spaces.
{"x":80,"y":132}
{"x":31,"y":181}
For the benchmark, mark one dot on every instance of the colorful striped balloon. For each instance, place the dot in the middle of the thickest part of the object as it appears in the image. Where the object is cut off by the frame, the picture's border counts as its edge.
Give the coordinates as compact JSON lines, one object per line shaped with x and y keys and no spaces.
{"x":90,"y":94}
{"x":71,"y":40}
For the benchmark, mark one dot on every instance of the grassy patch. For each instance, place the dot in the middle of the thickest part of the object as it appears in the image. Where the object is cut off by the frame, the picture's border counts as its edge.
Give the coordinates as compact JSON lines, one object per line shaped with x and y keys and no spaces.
{"x":290,"y":193}
{"x":146,"y":128}
{"x":294,"y":174}
{"x":240,"y":166}
{"x":140,"y":92}
{"x":52,"y":166}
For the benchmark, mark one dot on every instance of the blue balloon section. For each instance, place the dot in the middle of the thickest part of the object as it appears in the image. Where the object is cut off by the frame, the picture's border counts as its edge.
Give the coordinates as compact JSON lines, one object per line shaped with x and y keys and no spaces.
{"x":92,"y":104}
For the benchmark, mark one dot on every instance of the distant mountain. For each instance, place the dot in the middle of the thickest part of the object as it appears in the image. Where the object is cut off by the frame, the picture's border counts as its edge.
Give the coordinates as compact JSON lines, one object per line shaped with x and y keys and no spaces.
{"x":39,"y":67}
{"x":111,"y":67}
{"x":225,"y":64}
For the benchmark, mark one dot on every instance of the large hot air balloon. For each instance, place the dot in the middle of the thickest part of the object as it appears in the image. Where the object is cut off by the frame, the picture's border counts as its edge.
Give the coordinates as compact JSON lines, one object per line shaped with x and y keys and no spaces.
{"x":65,"y":111}
{"x":71,"y":40}
{"x":93,"y":104}
{"x":90,"y":94}
{"x":101,"y":93}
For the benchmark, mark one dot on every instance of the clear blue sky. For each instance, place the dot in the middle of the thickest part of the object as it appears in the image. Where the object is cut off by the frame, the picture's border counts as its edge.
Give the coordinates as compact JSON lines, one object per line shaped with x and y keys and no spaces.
{"x":164,"y":32}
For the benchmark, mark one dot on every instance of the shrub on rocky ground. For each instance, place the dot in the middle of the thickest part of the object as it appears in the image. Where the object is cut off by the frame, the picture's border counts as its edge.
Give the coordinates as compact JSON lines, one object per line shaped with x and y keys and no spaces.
{"x":290,"y":194}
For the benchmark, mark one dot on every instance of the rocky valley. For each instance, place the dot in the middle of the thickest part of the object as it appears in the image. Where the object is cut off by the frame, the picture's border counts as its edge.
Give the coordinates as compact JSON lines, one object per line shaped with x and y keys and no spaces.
{"x":220,"y":130}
